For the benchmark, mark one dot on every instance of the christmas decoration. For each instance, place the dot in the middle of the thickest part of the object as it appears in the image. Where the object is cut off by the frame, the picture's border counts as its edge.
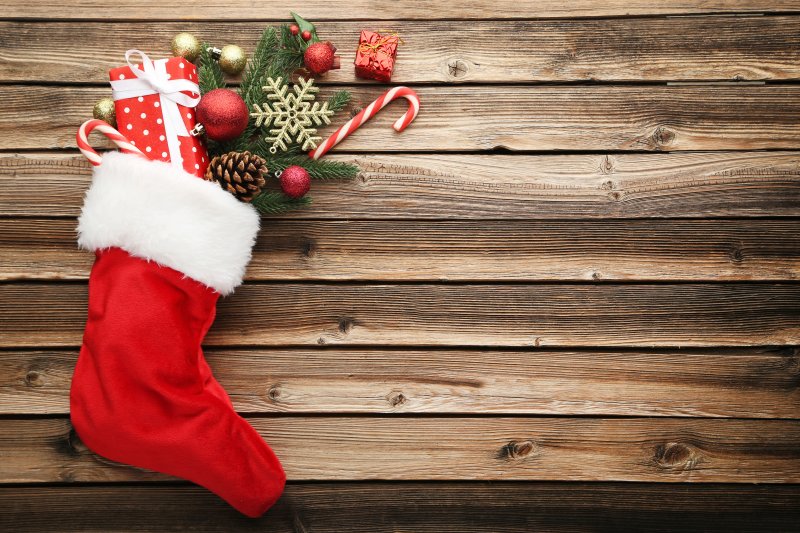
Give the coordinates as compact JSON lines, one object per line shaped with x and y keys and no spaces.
{"x":223,"y":114}
{"x":319,"y":58}
{"x":295,"y":29}
{"x":240,"y":173}
{"x":367,"y":113}
{"x":154,"y":105}
{"x":186,"y":45}
{"x":308,"y":31}
{"x":291,"y":114}
{"x":104,"y":110}
{"x":82,"y":140}
{"x":232,"y":60}
{"x":278,"y":54}
{"x":295,"y":181}
{"x":166,"y":248}
{"x":375,"y":56}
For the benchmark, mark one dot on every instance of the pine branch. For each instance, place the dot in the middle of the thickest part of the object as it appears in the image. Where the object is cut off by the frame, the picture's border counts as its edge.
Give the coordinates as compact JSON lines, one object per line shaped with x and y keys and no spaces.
{"x":275,"y":203}
{"x":339,"y":100}
{"x":320,"y":170}
{"x":209,"y":75}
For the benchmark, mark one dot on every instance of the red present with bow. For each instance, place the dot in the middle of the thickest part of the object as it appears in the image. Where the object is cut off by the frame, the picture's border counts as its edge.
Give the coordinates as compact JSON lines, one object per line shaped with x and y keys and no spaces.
{"x":154,"y":103}
{"x":375,"y":55}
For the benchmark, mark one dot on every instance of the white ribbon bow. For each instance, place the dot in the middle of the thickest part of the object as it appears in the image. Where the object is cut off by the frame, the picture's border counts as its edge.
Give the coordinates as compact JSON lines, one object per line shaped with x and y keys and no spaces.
{"x":153,"y":79}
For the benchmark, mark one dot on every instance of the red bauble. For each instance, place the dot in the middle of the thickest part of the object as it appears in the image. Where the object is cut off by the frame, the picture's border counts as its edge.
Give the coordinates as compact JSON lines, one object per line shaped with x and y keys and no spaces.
{"x":319,"y":58}
{"x":223,"y":114}
{"x":295,"y":181}
{"x":306,"y":35}
{"x":294,"y":29}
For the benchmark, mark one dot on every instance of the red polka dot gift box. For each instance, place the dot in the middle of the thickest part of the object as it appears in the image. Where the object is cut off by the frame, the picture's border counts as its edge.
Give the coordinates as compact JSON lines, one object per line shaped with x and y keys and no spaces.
{"x":155,"y":105}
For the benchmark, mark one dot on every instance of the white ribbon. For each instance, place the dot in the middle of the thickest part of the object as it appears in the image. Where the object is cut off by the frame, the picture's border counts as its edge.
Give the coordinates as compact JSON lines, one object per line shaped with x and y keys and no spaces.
{"x":153,"y":79}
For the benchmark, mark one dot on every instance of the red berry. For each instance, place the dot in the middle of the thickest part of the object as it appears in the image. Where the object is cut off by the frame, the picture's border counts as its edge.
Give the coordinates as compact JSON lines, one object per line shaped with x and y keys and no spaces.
{"x":318,"y":58}
{"x":306,"y":35}
{"x":295,"y":29}
{"x":295,"y":181}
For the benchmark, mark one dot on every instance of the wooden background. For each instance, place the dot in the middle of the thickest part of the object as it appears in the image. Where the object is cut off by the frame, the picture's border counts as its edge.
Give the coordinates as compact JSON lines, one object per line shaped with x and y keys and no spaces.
{"x":565,"y":299}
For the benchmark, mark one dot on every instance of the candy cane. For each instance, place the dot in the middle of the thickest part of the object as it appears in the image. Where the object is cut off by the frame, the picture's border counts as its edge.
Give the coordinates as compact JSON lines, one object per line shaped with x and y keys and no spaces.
{"x":367,"y":113}
{"x":82,"y":137}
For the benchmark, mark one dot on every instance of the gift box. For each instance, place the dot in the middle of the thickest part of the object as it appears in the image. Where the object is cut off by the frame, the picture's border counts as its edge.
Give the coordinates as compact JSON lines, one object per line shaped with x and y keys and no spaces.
{"x":154,"y":103}
{"x":375,"y":56}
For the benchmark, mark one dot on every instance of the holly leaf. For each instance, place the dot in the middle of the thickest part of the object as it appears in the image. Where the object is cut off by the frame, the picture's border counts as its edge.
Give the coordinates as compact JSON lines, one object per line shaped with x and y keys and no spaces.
{"x":305,"y":25}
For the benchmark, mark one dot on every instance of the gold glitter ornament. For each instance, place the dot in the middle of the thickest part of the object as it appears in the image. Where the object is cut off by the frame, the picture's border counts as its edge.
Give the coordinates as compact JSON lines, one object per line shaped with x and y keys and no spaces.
{"x":104,"y":110}
{"x":186,"y":45}
{"x":232,"y":59}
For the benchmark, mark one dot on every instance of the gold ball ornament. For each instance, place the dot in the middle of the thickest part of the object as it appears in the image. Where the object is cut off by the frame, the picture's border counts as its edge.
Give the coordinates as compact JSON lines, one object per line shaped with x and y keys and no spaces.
{"x":232,"y":59}
{"x":104,"y":110}
{"x":186,"y":45}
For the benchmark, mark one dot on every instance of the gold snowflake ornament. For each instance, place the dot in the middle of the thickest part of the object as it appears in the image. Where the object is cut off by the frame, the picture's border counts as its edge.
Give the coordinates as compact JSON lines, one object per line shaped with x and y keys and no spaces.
{"x":291,"y":115}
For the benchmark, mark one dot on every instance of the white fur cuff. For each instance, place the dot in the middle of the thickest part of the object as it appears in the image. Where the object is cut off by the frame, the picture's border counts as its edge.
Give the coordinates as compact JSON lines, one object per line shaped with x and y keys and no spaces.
{"x":157,"y":212}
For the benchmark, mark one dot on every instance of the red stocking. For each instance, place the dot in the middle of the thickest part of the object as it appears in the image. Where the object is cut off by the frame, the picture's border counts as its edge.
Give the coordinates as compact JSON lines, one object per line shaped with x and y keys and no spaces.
{"x":168,"y":244}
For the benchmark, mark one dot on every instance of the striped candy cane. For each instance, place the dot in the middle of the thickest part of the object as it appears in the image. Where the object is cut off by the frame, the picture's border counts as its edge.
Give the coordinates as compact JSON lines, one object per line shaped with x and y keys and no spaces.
{"x":82,"y":137}
{"x":367,"y":113}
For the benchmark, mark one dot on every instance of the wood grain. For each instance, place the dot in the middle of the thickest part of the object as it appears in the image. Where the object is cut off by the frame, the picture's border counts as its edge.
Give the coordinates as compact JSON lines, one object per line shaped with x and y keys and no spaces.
{"x":532,"y":315}
{"x":651,"y":49}
{"x":397,"y":448}
{"x":365,"y":9}
{"x":741,"y":383}
{"x":433,"y":507}
{"x":460,"y":118}
{"x":420,"y":186}
{"x":463,"y":250}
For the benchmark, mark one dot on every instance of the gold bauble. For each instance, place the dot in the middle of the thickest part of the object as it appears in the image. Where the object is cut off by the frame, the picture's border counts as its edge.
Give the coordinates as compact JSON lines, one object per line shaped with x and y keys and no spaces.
{"x":186,"y":45}
{"x":232,"y":59}
{"x":104,"y":110}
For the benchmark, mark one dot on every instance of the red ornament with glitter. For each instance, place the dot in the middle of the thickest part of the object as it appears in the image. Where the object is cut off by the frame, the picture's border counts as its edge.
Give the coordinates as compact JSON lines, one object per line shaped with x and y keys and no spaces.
{"x":295,"y":181}
{"x":223,"y":114}
{"x":376,"y":55}
{"x":154,"y":103}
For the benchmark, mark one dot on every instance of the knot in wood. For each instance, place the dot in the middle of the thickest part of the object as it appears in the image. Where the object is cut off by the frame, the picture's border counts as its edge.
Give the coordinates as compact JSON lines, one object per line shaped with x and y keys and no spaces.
{"x":34,"y":379}
{"x":457,"y":68}
{"x":396,"y":398}
{"x":736,"y":253}
{"x":274,"y":393}
{"x":662,"y":137}
{"x":517,"y":449}
{"x":607,"y":166}
{"x":676,"y":456}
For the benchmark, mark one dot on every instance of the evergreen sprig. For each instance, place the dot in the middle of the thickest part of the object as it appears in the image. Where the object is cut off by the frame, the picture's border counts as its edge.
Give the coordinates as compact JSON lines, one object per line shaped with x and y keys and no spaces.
{"x":277,"y":54}
{"x":209,"y":75}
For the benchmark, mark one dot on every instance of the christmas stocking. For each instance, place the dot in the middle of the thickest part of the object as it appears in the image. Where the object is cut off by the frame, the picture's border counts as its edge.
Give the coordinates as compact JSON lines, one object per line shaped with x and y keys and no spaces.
{"x":168,"y":245}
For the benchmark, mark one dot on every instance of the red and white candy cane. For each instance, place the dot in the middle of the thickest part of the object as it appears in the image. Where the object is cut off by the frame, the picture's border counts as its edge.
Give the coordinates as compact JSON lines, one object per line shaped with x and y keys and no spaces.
{"x":367,"y":113}
{"x":82,"y":137}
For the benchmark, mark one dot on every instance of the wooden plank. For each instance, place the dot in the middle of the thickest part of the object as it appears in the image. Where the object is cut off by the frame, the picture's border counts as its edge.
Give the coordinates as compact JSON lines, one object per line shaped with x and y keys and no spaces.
{"x":710,"y":48}
{"x":434,"y":507}
{"x":693,"y":250}
{"x":533,"y":315}
{"x":742,"y":383}
{"x":704,"y":185}
{"x":365,"y":10}
{"x":399,"y":448}
{"x":456,"y":118}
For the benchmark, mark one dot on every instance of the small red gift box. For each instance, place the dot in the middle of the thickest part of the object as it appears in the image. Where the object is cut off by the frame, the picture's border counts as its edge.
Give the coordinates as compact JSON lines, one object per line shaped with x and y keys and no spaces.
{"x":154,"y":103}
{"x":375,"y":56}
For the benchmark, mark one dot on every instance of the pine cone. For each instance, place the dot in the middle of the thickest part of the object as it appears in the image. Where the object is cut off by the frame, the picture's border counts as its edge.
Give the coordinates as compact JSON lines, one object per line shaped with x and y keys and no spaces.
{"x":240,"y":173}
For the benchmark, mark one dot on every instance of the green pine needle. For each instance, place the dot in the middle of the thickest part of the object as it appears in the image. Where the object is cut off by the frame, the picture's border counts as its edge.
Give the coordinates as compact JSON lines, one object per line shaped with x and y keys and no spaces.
{"x":319,"y":170}
{"x":209,"y":75}
{"x":275,"y":203}
{"x":339,"y":100}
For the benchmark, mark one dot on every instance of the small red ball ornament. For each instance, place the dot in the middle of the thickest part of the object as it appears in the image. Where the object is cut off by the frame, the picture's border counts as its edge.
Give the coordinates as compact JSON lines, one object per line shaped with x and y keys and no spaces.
{"x":294,"y":29}
{"x":318,"y":58}
{"x":223,"y":114}
{"x":295,"y":181}
{"x":306,"y":35}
